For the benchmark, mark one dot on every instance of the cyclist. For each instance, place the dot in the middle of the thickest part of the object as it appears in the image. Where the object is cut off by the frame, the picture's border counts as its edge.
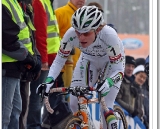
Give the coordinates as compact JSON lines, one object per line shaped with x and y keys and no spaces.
{"x":102,"y":51}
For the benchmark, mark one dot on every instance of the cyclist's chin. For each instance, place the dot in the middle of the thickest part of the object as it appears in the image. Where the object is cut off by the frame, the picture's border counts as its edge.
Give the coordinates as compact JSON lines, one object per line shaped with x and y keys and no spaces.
{"x":85,"y":44}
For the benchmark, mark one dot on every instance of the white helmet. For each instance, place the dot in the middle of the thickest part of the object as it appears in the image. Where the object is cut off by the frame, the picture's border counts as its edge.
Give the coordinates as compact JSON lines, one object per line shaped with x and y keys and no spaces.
{"x":87,"y":18}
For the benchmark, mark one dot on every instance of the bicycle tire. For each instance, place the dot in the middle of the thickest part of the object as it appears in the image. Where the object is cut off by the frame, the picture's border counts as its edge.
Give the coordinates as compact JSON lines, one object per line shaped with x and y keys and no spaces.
{"x":118,"y":109}
{"x":72,"y":122}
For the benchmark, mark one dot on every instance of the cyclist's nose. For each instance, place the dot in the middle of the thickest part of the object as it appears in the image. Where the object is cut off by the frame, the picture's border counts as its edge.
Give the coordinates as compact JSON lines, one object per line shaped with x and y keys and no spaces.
{"x":81,"y":37}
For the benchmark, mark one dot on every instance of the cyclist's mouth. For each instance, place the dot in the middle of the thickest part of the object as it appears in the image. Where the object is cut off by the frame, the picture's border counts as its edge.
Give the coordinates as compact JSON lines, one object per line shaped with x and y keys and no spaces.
{"x":83,"y":43}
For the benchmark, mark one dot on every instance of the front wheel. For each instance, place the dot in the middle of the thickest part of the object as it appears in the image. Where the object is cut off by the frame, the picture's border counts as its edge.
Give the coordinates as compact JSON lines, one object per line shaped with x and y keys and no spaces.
{"x":122,"y":118}
{"x":74,"y":123}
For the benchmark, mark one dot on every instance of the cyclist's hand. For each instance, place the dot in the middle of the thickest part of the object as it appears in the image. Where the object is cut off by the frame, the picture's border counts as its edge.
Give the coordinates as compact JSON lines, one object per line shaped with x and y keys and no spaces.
{"x":45,"y":87}
{"x":41,"y":90}
{"x":49,"y":83}
{"x":105,"y":88}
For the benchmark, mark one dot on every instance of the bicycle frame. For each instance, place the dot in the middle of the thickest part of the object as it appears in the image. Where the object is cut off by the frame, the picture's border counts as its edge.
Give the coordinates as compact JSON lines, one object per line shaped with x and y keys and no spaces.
{"x":87,"y":123}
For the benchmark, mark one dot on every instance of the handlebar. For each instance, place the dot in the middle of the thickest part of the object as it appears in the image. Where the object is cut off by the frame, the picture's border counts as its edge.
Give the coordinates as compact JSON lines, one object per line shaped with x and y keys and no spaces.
{"x":77,"y":91}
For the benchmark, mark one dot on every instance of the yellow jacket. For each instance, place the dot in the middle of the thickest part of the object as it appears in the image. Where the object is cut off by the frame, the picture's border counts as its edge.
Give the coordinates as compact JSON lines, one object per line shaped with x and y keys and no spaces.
{"x":64,"y":15}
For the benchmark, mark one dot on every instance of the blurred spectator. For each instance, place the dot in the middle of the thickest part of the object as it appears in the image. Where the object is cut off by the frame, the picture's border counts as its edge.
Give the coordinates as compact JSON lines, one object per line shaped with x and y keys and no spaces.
{"x":147,"y":65}
{"x":129,"y":67}
{"x":140,"y":61}
{"x":147,"y":72}
{"x":27,"y":77}
{"x":48,"y":43}
{"x":133,"y":95}
{"x":18,"y":57}
{"x":142,"y":100}
{"x":101,"y":9}
{"x":97,"y":5}
{"x":127,"y":93}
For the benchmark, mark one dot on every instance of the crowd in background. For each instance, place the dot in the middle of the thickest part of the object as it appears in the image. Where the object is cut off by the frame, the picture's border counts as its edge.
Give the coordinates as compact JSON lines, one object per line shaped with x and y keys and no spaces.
{"x":31,"y":35}
{"x":133,"y":95}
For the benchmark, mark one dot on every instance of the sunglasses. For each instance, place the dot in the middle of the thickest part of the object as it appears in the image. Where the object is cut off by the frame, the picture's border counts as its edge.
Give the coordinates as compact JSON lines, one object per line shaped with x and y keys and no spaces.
{"x":84,"y":34}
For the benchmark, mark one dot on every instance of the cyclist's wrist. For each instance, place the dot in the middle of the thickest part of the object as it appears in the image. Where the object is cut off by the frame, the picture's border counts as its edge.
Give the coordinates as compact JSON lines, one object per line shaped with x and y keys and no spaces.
{"x":46,"y":94}
{"x":110,"y":82}
{"x":49,"y":80}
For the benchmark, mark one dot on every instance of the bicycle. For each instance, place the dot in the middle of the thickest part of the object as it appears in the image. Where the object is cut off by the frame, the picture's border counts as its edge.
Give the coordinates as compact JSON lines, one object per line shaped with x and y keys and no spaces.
{"x":81,"y":118}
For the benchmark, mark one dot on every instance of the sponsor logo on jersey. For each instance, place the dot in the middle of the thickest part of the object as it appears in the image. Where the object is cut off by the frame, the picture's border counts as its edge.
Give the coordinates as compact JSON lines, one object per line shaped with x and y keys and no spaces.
{"x":64,"y":52}
{"x":114,"y":58}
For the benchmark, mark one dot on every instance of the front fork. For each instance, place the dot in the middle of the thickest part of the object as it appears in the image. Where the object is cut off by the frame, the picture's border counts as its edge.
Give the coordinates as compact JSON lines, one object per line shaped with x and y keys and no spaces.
{"x":84,"y":115}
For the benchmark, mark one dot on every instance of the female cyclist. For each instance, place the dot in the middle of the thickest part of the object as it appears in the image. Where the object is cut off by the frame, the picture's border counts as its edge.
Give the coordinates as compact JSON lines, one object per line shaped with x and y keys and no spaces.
{"x":102,"y":51}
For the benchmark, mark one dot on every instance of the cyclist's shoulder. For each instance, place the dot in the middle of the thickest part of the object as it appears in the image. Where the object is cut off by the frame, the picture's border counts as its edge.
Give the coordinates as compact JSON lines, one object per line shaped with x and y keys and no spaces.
{"x":107,"y":30}
{"x":70,"y":35}
{"x":109,"y":35}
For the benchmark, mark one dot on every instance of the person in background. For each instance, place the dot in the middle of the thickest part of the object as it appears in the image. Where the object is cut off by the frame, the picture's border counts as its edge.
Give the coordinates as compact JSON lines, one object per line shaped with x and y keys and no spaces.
{"x":48,"y":43}
{"x":142,"y":100}
{"x":18,"y":57}
{"x":127,"y":93}
{"x":64,"y":15}
{"x":147,"y":65}
{"x":97,"y":5}
{"x":147,"y":72}
{"x":101,"y":9}
{"x":140,"y":61}
{"x":27,"y":77}
{"x":133,"y":96}
{"x":130,"y":64}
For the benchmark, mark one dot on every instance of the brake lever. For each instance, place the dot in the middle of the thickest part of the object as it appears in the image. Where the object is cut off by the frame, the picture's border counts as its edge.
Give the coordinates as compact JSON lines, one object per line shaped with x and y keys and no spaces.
{"x":99,"y":92}
{"x":42,"y":91}
{"x":99,"y":84}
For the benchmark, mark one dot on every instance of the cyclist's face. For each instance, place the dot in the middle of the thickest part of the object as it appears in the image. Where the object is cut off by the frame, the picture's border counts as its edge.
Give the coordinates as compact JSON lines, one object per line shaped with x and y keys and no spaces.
{"x":78,"y":3}
{"x":87,"y":38}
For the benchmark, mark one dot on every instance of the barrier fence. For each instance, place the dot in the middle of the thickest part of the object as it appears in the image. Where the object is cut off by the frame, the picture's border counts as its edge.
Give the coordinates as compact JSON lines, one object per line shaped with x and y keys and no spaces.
{"x":133,"y":122}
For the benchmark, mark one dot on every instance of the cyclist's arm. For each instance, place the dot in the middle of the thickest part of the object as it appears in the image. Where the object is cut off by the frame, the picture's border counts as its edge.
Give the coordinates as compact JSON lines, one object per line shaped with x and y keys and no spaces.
{"x":61,"y":57}
{"x":115,"y":52}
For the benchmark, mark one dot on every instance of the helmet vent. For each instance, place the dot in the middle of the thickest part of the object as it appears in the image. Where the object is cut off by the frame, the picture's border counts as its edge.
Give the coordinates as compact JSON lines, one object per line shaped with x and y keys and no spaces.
{"x":97,"y":23}
{"x":87,"y":23}
{"x":82,"y":16}
{"x":75,"y":22}
{"x":79,"y":11}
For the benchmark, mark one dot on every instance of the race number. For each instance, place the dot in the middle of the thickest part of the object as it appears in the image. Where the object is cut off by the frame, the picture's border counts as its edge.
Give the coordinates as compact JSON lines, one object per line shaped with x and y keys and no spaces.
{"x":114,"y":53}
{"x":65,"y":46}
{"x":65,"y":49}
